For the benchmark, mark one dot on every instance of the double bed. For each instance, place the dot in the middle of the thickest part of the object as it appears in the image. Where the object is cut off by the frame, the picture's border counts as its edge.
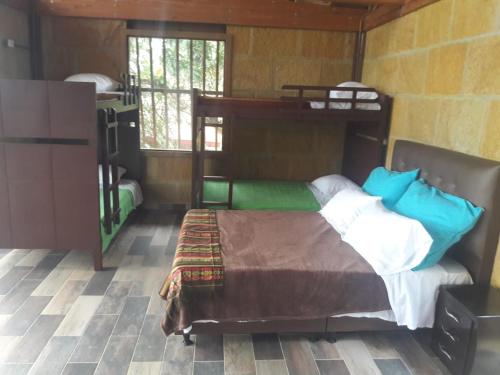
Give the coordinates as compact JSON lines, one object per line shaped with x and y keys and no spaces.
{"x":291,"y":272}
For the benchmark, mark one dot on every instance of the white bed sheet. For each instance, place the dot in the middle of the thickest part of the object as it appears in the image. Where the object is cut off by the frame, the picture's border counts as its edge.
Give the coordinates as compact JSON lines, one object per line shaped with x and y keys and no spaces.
{"x":134,"y":187}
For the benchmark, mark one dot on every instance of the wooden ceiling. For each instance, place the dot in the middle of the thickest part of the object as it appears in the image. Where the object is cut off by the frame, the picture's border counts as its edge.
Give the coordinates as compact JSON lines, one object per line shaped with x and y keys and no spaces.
{"x":335,"y":15}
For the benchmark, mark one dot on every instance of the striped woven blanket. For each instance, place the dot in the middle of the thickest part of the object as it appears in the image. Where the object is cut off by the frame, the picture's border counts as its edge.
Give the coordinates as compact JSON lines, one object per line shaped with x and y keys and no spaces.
{"x":198,"y":259}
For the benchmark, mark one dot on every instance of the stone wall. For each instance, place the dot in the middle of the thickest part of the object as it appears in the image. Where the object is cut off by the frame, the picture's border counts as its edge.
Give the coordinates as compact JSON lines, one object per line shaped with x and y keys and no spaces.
{"x":14,"y":62}
{"x":441,"y":63}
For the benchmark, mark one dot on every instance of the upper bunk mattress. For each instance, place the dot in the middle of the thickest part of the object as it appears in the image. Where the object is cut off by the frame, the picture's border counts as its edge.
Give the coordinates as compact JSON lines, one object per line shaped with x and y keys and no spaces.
{"x":263,"y":195}
{"x":280,"y":265}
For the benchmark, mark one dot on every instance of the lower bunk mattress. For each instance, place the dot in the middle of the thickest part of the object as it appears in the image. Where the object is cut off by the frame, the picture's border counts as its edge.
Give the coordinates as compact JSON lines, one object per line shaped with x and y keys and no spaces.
{"x":255,"y":266}
{"x":130,"y":194}
{"x":264,"y":195}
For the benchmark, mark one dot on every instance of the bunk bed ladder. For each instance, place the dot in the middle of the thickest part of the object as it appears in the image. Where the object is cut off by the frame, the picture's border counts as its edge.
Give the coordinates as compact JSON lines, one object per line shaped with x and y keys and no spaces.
{"x":108,"y":131}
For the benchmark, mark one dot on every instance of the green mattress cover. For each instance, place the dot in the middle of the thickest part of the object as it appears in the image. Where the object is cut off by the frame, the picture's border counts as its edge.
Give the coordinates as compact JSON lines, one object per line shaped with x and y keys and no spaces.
{"x":263,"y":195}
{"x":126,"y":205}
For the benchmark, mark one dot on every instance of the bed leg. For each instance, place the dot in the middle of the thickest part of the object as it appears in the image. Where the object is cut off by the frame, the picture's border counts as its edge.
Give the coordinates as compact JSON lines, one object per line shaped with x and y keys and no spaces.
{"x":98,"y":260}
{"x":331,"y":337}
{"x":187,"y":340}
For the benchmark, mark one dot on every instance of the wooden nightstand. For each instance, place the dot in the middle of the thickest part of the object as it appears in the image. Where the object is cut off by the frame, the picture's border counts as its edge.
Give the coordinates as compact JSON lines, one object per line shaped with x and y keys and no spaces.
{"x":466,"y":335}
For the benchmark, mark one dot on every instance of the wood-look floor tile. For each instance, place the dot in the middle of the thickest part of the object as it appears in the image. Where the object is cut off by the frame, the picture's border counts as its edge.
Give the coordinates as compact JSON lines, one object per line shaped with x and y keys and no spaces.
{"x":54,"y":356}
{"x":77,"y":260}
{"x":332,"y":367}
{"x":151,"y":344}
{"x":413,"y":355}
{"x":140,"y":245}
{"x":8,"y":261}
{"x":424,"y":338}
{"x":271,"y":367}
{"x":14,"y":369}
{"x":53,"y":283}
{"x":130,"y":268}
{"x":163,"y":231}
{"x":78,"y":316}
{"x":11,"y":278}
{"x":322,"y":349}
{"x":24,"y":317}
{"x":115,"y":298}
{"x":392,"y":367}
{"x":99,"y":283}
{"x":208,"y":368}
{"x":30,"y":346}
{"x":45,"y":266}
{"x":356,"y":356}
{"x":298,"y":355}
{"x":209,"y":348}
{"x":33,"y":258}
{"x":7,"y":344}
{"x":150,"y":284}
{"x":178,"y":358}
{"x":238,"y":355}
{"x":132,"y":316}
{"x":379,"y":346}
{"x":172,"y":241}
{"x":82,"y":275}
{"x":79,"y":369}
{"x":64,"y":299}
{"x":94,"y":339}
{"x":155,"y":257}
{"x":17,"y":296}
{"x":144,"y":368}
{"x":117,"y":356}
{"x":157,"y":305}
{"x":267,"y":346}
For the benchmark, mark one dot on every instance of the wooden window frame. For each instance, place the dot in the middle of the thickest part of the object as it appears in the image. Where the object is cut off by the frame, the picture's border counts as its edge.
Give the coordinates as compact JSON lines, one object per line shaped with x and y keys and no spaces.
{"x":205,"y":36}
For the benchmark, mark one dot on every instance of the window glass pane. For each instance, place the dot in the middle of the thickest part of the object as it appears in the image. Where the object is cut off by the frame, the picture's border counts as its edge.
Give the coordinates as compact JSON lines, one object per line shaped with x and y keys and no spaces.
{"x":198,"y":64}
{"x":210,"y":65}
{"x":144,"y":62}
{"x":166,"y":70}
{"x":157,"y":50}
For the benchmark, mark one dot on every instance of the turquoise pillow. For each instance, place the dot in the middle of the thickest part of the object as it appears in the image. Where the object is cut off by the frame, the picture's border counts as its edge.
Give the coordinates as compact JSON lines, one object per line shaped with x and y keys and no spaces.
{"x":446,"y":217}
{"x":388,"y":184}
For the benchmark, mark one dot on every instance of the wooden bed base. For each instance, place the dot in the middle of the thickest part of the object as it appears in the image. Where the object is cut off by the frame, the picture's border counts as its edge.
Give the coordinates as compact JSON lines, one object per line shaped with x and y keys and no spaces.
{"x":365,"y":140}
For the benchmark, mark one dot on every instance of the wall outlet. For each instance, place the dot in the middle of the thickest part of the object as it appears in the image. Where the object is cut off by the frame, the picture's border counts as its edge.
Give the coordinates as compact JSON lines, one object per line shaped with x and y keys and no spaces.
{"x":10,"y":43}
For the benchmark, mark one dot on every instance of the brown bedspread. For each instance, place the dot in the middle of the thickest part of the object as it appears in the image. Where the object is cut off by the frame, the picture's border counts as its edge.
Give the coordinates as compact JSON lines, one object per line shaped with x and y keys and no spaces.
{"x":284,"y":265}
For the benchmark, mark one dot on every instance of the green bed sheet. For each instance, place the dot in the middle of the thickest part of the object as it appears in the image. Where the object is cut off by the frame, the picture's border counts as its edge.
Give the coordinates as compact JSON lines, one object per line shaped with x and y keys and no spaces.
{"x":263,"y":195}
{"x":126,"y":205}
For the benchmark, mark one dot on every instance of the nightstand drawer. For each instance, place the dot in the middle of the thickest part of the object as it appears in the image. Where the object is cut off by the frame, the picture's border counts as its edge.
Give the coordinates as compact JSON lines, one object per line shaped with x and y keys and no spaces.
{"x":448,"y":355}
{"x":451,"y":315}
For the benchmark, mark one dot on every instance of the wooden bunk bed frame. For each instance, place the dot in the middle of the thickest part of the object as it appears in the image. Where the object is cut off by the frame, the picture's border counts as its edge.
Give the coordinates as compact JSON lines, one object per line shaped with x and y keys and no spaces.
{"x":53,"y":135}
{"x":365,"y":139}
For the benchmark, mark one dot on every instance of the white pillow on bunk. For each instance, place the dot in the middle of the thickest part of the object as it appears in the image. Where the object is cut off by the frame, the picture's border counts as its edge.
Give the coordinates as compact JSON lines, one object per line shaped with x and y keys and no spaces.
{"x":341,"y":211}
{"x":331,"y":184}
{"x":335,"y":94}
{"x":390,"y":242}
{"x":102,"y":82}
{"x":121,"y":172}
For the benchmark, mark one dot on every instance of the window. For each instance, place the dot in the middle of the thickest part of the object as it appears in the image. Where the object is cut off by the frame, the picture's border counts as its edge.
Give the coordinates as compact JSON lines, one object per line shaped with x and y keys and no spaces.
{"x":166,"y":70}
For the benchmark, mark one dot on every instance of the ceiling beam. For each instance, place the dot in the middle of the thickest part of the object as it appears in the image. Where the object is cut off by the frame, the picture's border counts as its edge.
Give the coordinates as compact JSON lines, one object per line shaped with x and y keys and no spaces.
{"x":369,"y":2}
{"x":265,"y":13}
{"x":387,"y":13}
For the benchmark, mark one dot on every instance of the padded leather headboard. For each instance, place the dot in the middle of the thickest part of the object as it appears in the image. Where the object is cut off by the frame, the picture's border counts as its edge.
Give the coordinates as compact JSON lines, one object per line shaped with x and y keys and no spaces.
{"x":472,"y":178}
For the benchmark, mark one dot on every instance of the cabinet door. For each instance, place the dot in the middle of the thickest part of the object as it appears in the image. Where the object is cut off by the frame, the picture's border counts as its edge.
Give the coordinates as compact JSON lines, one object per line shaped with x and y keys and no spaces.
{"x":76,"y":193}
{"x":29,"y":176}
{"x":5,"y":237}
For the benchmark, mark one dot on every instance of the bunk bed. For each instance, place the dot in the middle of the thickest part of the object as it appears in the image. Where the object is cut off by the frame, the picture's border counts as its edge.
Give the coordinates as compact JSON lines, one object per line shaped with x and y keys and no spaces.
{"x":53,"y":136}
{"x":367,"y":127}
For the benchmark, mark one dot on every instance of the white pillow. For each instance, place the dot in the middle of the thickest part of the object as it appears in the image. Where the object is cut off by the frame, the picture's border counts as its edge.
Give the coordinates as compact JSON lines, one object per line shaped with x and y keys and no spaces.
{"x":121,"y":172}
{"x":390,"y":242}
{"x":341,"y":211}
{"x":335,"y":94}
{"x":332,"y":184}
{"x":102,"y":83}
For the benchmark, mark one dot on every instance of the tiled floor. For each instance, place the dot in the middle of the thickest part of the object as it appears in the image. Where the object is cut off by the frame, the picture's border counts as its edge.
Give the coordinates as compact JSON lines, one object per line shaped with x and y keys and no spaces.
{"x":57,"y":316}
